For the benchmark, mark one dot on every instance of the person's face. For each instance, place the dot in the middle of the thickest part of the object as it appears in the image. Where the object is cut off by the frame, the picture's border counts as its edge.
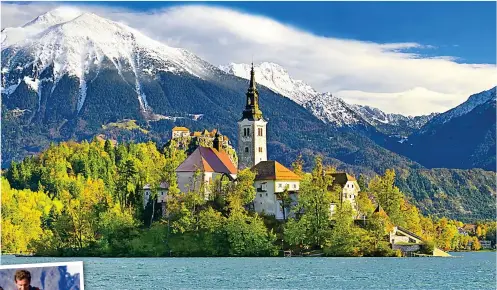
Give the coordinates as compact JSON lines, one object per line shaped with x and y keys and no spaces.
{"x":22,"y":284}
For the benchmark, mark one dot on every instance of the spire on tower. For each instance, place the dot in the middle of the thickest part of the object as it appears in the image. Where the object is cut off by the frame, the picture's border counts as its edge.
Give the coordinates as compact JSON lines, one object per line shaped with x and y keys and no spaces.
{"x":252,"y":111}
{"x":217,"y":143}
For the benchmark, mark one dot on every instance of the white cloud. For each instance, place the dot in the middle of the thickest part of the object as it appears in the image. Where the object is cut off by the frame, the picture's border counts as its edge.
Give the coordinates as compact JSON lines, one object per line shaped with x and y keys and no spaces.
{"x":380,"y":75}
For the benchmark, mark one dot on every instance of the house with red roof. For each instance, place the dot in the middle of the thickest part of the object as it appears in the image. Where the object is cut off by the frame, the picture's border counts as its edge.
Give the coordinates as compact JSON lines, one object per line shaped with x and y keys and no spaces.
{"x":203,"y":166}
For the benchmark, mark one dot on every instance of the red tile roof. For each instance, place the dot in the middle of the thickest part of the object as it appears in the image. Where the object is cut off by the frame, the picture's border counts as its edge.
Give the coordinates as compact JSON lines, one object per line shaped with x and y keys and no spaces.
{"x":207,"y":159}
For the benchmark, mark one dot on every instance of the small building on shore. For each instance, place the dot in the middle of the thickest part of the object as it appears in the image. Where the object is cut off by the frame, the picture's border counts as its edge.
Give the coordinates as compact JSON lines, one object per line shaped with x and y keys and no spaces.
{"x":405,"y":241}
{"x":271,"y":179}
{"x":349,"y":190}
{"x":161,"y":197}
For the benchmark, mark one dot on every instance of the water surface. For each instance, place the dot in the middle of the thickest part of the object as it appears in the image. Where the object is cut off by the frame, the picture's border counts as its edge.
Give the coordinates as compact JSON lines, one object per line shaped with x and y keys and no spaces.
{"x":467,"y":271}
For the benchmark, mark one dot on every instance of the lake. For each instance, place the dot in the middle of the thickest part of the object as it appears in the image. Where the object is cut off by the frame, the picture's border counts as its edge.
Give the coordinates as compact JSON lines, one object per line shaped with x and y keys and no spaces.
{"x":472,"y":270}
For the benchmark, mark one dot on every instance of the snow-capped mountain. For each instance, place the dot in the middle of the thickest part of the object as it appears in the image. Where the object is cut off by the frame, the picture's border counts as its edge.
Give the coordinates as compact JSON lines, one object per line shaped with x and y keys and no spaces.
{"x":276,"y":78}
{"x":325,"y":106}
{"x":463,"y":137}
{"x":74,"y":43}
{"x":473,"y":101}
{"x":380,"y":119}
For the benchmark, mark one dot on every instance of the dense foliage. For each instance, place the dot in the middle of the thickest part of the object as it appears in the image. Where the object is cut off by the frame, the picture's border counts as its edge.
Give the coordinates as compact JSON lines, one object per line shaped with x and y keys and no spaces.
{"x":86,"y":199}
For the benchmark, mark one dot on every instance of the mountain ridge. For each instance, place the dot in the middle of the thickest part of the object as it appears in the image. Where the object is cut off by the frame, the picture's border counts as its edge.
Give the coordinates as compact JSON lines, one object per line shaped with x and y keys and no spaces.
{"x":326,"y":106}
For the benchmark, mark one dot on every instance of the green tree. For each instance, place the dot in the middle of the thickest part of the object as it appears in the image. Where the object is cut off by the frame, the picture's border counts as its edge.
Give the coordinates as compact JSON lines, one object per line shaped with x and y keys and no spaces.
{"x":298,"y":166}
{"x":389,"y":197}
{"x":286,"y":201}
{"x":345,"y":239}
{"x":314,"y":206}
{"x":126,"y":184}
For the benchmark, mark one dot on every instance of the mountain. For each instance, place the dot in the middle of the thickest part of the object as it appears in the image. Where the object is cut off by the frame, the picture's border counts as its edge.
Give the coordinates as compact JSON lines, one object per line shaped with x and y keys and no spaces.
{"x":392,"y":124}
{"x":463,"y":137}
{"x":325,"y":106}
{"x":77,"y":78}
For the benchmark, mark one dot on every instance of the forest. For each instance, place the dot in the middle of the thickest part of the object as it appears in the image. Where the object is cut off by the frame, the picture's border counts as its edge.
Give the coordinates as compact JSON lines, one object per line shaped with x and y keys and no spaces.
{"x":86,"y":199}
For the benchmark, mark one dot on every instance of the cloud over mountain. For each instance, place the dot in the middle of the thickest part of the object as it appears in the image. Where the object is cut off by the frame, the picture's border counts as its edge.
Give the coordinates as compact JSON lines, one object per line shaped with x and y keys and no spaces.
{"x":380,"y":75}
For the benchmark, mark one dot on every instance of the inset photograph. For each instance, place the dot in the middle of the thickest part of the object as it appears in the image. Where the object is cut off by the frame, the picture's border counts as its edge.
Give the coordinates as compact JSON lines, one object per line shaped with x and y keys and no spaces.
{"x":43,"y":276}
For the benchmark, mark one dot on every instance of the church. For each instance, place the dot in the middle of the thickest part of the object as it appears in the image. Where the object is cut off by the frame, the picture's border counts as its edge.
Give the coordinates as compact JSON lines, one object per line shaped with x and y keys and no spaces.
{"x":207,"y":162}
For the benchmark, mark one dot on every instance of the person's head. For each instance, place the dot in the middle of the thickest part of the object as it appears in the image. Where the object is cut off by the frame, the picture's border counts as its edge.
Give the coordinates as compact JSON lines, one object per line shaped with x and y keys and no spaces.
{"x":22,"y":279}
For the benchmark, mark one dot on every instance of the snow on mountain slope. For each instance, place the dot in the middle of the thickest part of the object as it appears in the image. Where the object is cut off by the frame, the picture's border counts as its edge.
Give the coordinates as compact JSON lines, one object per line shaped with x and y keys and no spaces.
{"x":275,"y":78}
{"x":377,"y":117}
{"x":464,"y":108}
{"x":13,"y":35}
{"x":326,"y":107}
{"x":74,"y":42}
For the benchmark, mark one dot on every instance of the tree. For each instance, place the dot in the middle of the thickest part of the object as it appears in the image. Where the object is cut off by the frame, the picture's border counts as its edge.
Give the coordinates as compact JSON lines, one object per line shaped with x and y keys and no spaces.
{"x":126,"y":183}
{"x":298,"y":166}
{"x":314,"y":204}
{"x":378,"y":227}
{"x":345,"y":237}
{"x":22,"y":214}
{"x":248,"y":236}
{"x":241,"y":192}
{"x":388,"y":195}
{"x":286,"y":201}
{"x":364,"y":204}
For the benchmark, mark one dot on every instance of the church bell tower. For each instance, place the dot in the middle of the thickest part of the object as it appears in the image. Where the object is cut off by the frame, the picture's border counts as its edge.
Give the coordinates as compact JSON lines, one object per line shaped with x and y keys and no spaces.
{"x":251,"y":129}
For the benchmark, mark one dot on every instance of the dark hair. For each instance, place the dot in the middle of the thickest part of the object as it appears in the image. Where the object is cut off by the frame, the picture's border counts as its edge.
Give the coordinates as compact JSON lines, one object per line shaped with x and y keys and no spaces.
{"x":21,"y":275}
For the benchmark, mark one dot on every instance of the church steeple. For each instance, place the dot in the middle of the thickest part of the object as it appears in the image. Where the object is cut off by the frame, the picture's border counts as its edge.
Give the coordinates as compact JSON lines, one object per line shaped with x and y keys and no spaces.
{"x":252,"y":111}
{"x":217,"y":143}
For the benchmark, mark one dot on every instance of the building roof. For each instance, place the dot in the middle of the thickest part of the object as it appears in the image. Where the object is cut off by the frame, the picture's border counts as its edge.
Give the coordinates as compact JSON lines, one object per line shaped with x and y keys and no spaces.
{"x":406,"y":231}
{"x":163,"y":185}
{"x":272,"y":170}
{"x":182,"y":129}
{"x":378,"y":209}
{"x":341,"y":178}
{"x":207,"y":159}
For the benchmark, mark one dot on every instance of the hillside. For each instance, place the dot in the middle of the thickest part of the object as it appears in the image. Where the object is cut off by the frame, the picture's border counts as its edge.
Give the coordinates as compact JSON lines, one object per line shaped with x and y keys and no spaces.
{"x":463,"y":137}
{"x":466,"y":195}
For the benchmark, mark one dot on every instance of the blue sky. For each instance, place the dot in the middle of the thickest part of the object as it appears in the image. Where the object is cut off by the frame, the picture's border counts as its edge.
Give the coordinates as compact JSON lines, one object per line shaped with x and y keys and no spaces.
{"x":464,"y":30}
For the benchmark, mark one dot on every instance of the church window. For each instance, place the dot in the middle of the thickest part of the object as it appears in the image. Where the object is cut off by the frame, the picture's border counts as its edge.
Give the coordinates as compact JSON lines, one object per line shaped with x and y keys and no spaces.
{"x":246,"y":149}
{"x":260,"y":149}
{"x":259,"y":131}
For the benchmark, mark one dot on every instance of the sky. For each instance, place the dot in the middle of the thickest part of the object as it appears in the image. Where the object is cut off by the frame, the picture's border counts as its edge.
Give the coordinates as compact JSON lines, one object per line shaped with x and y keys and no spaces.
{"x":402,"y":57}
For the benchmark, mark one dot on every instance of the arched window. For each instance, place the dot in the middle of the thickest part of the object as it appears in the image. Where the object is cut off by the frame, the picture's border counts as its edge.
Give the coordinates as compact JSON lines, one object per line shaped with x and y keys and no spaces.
{"x":246,"y":149}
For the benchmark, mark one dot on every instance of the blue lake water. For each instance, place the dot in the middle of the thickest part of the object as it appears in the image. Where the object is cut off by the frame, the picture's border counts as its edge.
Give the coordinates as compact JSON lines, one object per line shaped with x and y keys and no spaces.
{"x":467,"y":271}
